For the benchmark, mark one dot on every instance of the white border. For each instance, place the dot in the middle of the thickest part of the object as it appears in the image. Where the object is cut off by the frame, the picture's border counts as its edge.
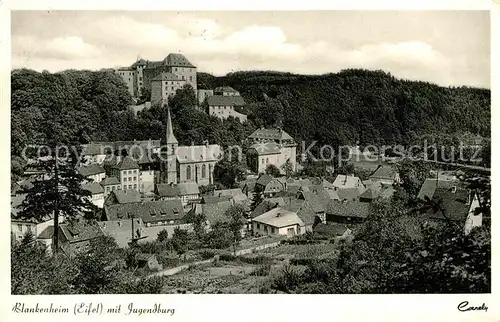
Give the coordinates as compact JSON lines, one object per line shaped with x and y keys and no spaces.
{"x":249,"y":307}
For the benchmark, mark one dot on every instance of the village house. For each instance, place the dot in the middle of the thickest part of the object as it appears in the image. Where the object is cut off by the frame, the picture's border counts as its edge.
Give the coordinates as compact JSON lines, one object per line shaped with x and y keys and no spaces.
{"x":152,"y":213}
{"x":122,"y":197}
{"x":430,"y":186}
{"x":332,"y":230}
{"x":455,"y":205}
{"x":123,"y":231}
{"x":110,"y":184}
{"x":347,"y":212}
{"x":97,"y":193}
{"x":236,"y":194}
{"x":186,"y":191}
{"x":76,"y":237}
{"x":203,"y":94}
{"x":276,"y":222}
{"x":385,"y":175}
{"x":213,"y":208}
{"x":271,"y":146}
{"x":270,"y":186}
{"x":224,"y":106}
{"x":127,"y":171}
{"x":343,"y":181}
{"x":93,"y":172}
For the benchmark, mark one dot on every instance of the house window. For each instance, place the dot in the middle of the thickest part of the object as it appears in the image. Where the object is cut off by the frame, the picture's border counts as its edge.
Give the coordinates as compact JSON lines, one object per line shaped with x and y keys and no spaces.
{"x":20,"y":227}
{"x":130,"y":186}
{"x":188,"y":172}
{"x":203,"y":171}
{"x":125,"y":179}
{"x":113,"y":188}
{"x":135,"y":186}
{"x":172,"y":88}
{"x":176,"y":69}
{"x":267,"y":160}
{"x":107,"y":189}
{"x":258,"y":226}
{"x":272,"y":230}
{"x":262,"y":160}
{"x":183,"y":78}
{"x":190,"y":78}
{"x":135,"y":178}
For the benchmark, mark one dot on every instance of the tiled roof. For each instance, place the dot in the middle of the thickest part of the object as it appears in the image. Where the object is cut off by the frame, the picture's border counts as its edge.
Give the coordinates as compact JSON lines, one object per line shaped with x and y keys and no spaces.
{"x":94,"y":187}
{"x":279,"y":217}
{"x":264,"y":179}
{"x":430,"y":185}
{"x":198,"y":153}
{"x":349,"y":209}
{"x":370,"y":194}
{"x":266,"y":148}
{"x":237,"y":194}
{"x":219,"y":100}
{"x":80,"y":231}
{"x":215,"y":199}
{"x":178,"y":60}
{"x":225,"y":89}
{"x":270,"y":134}
{"x":148,"y":211}
{"x":455,"y":204}
{"x":126,"y":164}
{"x":332,"y":229}
{"x":384,"y":172}
{"x":167,"y":77}
{"x":167,"y":190}
{"x":216,"y":212}
{"x":322,"y":183}
{"x":91,"y":170}
{"x":127,"y":196}
{"x":346,"y":181}
{"x":348,"y":194}
{"x":109,"y":181}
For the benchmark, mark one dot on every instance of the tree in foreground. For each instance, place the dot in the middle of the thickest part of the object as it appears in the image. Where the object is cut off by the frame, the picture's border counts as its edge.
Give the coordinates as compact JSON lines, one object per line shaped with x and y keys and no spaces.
{"x":236,"y":222}
{"x":180,"y":240}
{"x":273,"y":170}
{"x":257,"y":197}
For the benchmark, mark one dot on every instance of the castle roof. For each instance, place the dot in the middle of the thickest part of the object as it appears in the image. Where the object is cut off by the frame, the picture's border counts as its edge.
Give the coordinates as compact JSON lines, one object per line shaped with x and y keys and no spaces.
{"x":178,"y":60}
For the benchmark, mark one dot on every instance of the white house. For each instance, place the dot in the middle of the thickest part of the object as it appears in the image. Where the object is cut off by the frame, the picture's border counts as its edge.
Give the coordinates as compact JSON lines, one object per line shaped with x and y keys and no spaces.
{"x":97,"y":192}
{"x":278,"y":221}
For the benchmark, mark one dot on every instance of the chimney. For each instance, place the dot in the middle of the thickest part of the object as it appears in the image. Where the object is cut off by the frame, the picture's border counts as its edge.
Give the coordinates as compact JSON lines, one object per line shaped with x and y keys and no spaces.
{"x":453,"y":189}
{"x":278,"y":215}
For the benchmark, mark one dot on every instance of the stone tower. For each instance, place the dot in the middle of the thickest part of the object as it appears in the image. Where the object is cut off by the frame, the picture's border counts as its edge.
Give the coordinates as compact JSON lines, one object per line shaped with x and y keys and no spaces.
{"x":169,"y":155}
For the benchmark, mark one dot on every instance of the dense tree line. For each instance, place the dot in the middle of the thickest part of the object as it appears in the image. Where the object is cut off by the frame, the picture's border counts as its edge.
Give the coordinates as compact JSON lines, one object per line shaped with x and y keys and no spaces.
{"x":370,"y":106}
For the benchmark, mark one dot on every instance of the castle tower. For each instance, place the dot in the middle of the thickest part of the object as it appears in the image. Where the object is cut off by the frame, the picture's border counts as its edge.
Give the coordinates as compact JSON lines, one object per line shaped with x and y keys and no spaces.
{"x":169,"y":155}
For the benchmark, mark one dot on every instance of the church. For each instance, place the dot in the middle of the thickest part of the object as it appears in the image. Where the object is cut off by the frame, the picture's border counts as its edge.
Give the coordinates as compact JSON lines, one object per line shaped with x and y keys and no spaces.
{"x":193,"y":163}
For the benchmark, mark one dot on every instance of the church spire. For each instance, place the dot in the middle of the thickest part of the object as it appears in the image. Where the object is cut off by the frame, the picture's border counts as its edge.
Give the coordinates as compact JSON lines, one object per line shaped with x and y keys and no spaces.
{"x":170,"y":132}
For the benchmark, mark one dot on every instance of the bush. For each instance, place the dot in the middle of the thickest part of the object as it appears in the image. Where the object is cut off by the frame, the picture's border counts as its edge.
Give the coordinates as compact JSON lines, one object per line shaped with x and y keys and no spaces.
{"x":287,"y":279}
{"x":262,"y":270}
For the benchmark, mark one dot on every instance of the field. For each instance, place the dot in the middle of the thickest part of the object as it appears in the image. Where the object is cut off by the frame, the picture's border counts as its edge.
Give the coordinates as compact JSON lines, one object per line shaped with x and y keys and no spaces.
{"x":248,"y":274}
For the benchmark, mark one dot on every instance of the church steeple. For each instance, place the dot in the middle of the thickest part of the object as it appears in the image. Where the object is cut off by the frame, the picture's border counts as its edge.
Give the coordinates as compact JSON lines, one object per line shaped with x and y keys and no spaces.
{"x":170,"y":132}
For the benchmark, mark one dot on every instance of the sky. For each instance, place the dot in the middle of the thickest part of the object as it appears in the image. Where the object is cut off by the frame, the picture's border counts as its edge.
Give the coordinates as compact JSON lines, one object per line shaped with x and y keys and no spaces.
{"x":449,"y":48}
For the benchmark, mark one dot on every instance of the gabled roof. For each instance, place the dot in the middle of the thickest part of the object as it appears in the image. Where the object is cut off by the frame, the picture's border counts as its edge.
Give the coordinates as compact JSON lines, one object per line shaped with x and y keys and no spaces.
{"x":370,"y":194}
{"x":219,"y":100}
{"x":331,"y":229}
{"x":91,"y":170}
{"x":80,"y":231}
{"x":94,"y":188}
{"x":167,"y":190}
{"x":346,"y":181}
{"x":454,"y":204}
{"x":167,"y":77}
{"x":264,"y":179}
{"x":225,"y":89}
{"x":237,"y":194}
{"x":127,"y":196}
{"x":270,"y":134}
{"x":348,"y":209}
{"x":279,"y":217}
{"x":216,"y":212}
{"x":109,"y":181}
{"x":384,"y":172}
{"x":198,"y":153}
{"x":178,"y":60}
{"x":47,"y":233}
{"x":430,"y":185}
{"x":266,"y":148}
{"x":126,"y":164}
{"x":348,"y":194}
{"x":148,"y":211}
{"x":215,"y":199}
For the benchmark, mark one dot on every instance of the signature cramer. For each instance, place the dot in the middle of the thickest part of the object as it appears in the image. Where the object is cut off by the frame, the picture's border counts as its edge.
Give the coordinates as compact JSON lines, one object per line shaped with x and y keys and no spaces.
{"x":464,"y":307}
